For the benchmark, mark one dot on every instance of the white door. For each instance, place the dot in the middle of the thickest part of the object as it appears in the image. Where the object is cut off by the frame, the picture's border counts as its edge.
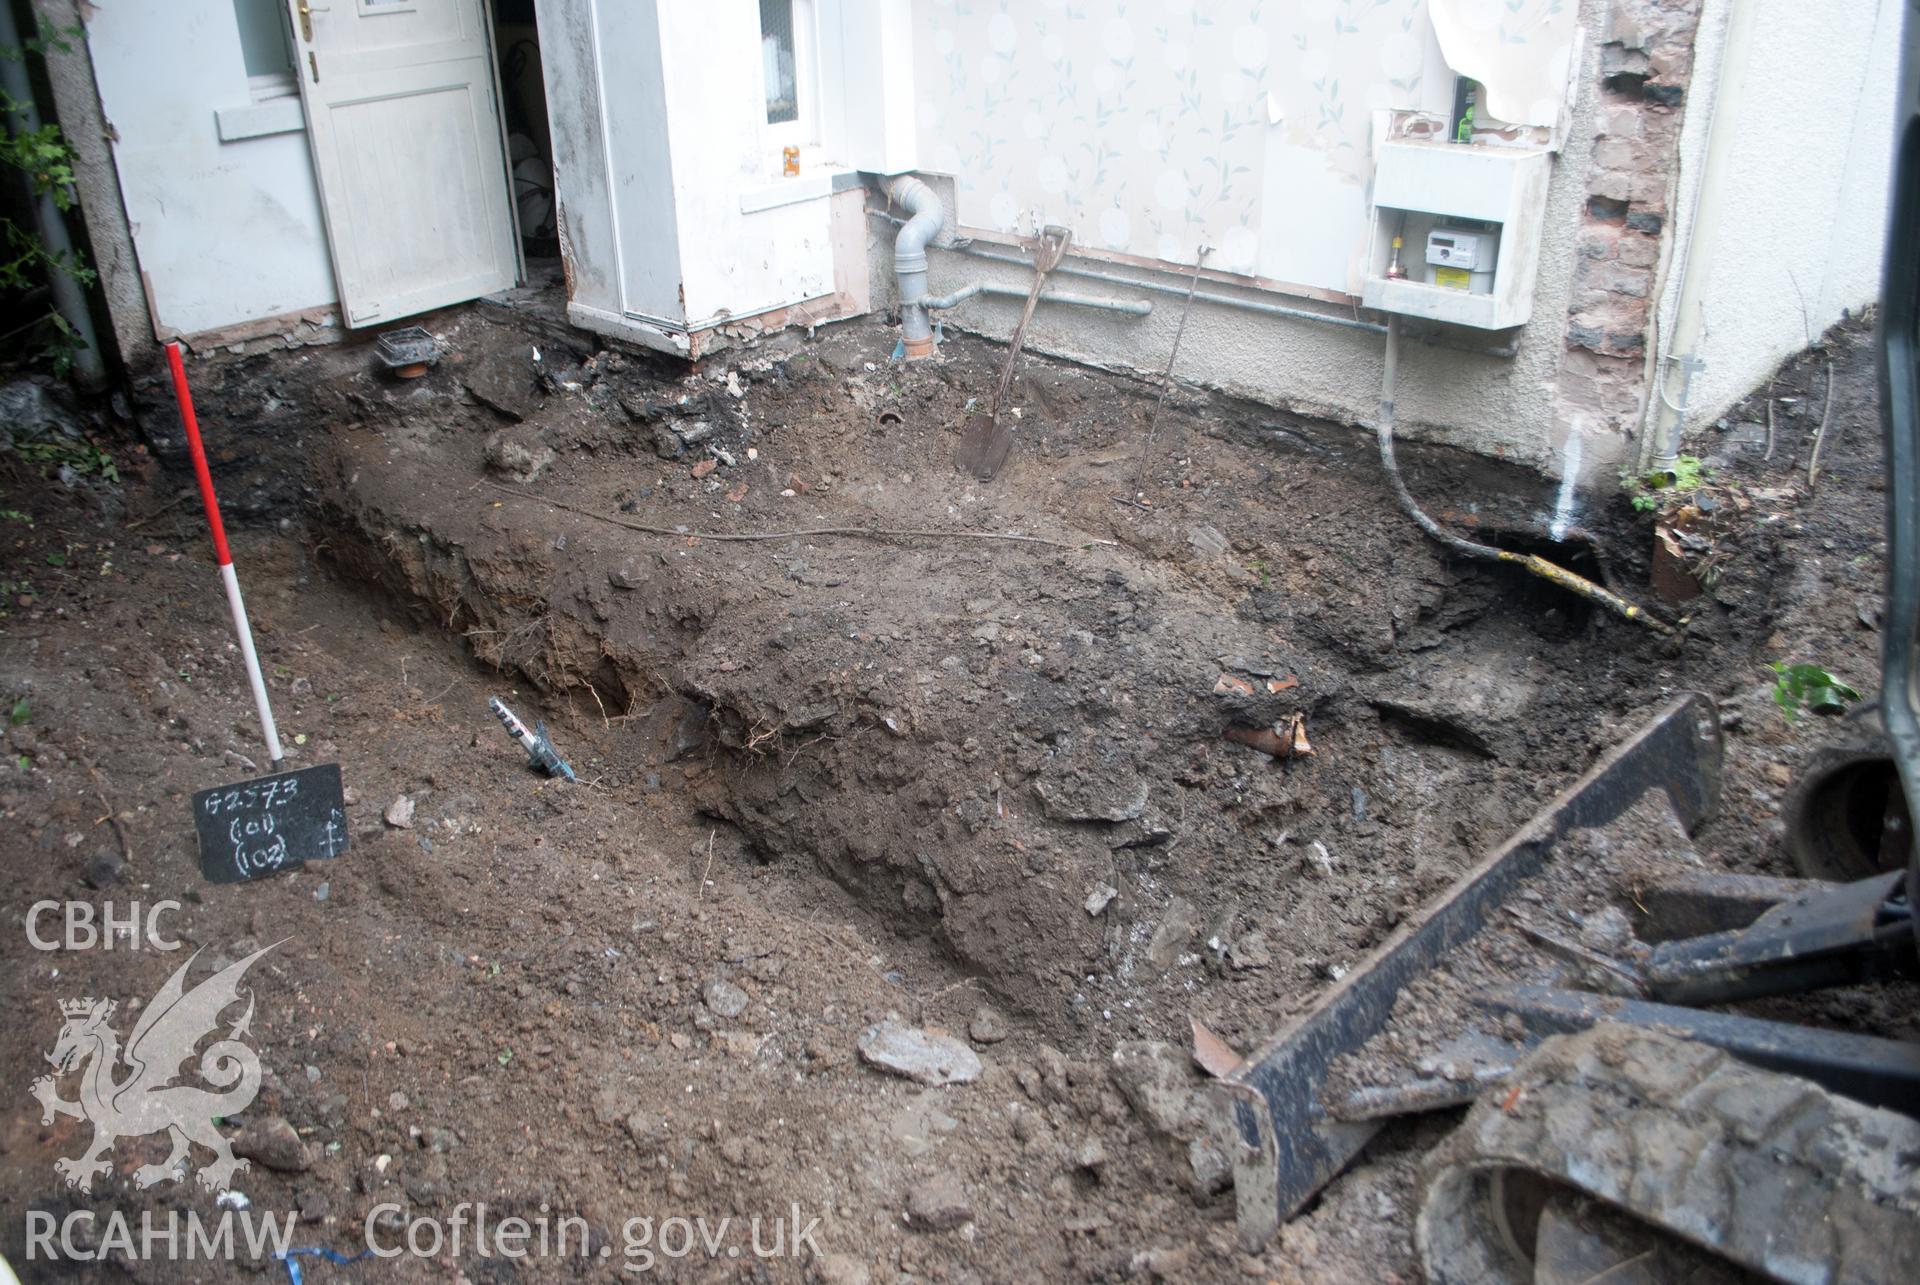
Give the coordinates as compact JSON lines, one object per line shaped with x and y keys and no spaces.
{"x":403,"y":119}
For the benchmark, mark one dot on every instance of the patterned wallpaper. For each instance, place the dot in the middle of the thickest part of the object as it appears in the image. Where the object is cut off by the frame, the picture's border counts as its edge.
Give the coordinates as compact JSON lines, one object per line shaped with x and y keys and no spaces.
{"x":1154,"y":126}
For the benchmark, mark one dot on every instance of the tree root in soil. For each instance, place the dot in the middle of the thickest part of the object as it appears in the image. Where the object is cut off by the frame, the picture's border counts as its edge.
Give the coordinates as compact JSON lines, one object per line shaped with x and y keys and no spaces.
{"x":1532,"y":562}
{"x":845,"y":532}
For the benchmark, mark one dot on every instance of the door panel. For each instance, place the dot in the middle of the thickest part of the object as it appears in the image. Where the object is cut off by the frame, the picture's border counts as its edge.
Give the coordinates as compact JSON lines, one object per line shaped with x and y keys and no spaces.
{"x":403,"y":119}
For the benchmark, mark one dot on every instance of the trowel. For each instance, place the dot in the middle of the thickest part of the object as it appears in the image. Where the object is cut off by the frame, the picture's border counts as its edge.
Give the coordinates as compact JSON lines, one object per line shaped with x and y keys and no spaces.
{"x":985,"y":442}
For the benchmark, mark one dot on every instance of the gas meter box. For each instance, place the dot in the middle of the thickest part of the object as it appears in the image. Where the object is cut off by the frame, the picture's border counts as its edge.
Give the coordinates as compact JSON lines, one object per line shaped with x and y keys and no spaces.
{"x":1468,"y":216}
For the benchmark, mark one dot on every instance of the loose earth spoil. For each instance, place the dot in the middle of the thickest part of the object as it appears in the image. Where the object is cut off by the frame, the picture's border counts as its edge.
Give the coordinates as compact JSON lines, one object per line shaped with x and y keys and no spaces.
{"x":917,"y":818}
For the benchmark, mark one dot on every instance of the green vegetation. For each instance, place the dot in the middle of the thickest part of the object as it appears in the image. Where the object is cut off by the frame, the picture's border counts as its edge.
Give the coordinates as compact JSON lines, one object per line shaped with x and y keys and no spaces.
{"x":1658,"y":488}
{"x":83,"y":458}
{"x":1798,"y":689}
{"x":44,"y":157}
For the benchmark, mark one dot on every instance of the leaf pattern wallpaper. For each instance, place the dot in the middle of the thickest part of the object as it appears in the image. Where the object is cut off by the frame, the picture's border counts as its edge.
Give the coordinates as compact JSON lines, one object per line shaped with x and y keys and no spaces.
{"x":1152,"y":127}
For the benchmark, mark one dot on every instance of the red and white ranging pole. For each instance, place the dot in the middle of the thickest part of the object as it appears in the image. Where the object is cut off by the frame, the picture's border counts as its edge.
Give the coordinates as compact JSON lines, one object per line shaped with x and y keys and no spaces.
{"x":220,"y":551}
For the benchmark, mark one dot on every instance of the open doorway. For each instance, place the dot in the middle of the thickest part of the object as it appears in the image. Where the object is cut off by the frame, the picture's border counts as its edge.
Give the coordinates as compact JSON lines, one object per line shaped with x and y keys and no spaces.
{"x":523,"y":103}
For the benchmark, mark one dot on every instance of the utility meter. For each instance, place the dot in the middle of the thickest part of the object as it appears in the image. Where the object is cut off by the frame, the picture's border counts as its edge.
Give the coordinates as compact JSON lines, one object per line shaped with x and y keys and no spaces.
{"x":1461,"y":259}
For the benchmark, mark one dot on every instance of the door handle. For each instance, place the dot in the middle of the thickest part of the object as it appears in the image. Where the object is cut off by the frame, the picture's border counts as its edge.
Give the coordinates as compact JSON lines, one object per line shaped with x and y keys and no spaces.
{"x":306,"y":18}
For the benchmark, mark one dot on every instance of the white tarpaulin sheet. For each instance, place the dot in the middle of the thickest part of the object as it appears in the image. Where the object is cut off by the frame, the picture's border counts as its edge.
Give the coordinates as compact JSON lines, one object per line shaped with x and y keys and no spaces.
{"x":1520,"y":53}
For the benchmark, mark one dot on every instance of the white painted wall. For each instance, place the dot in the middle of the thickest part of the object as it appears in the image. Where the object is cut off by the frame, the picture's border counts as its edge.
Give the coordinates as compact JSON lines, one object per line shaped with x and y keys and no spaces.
{"x":606,"y":279}
{"x":736,"y":261}
{"x":1153,"y":129}
{"x":1304,"y":200}
{"x":225,"y":232}
{"x":675,"y":216}
{"x":1794,"y":213}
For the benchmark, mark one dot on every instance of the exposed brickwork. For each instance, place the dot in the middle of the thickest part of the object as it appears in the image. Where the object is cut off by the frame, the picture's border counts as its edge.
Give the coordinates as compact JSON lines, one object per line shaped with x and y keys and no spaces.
{"x":1646,"y":59}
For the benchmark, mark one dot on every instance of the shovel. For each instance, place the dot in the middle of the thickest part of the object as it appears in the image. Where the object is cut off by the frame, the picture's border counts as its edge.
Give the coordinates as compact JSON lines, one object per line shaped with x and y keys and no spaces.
{"x":985,"y":442}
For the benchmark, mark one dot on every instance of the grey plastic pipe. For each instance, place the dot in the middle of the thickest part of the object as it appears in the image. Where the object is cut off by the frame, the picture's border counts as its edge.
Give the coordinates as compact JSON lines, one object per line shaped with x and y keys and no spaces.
{"x":922,"y":203}
{"x":1509,"y":349}
{"x":1205,"y":296}
{"x":1132,"y":307}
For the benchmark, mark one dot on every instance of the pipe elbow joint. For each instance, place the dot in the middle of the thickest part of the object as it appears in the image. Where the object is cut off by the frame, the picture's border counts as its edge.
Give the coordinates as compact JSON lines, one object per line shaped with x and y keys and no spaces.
{"x":927,"y":216}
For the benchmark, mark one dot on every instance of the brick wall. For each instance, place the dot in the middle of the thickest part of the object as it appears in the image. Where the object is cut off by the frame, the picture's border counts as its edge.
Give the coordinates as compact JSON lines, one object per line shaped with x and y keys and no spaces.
{"x":1645,"y":61}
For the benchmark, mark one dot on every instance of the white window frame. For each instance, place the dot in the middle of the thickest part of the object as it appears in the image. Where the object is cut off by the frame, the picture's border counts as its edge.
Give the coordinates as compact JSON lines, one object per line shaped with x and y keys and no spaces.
{"x":803,"y":131}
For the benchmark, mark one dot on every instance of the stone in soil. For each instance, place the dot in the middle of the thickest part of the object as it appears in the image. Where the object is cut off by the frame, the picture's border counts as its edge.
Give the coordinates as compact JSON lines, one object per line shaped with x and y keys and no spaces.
{"x":104,"y":869}
{"x":436,"y":1138}
{"x":987,"y":1026}
{"x":518,"y":455}
{"x":1479,"y":702}
{"x":922,"y":1056}
{"x":842,"y":1269}
{"x":724,"y":998}
{"x":504,"y":383}
{"x":1153,"y":1078}
{"x":313,"y":1204}
{"x":1170,"y":939}
{"x":1089,"y":786}
{"x":1250,"y":951}
{"x":938,"y":1204}
{"x":399,"y":813}
{"x":273,"y":1142}
{"x":1209,"y":1168}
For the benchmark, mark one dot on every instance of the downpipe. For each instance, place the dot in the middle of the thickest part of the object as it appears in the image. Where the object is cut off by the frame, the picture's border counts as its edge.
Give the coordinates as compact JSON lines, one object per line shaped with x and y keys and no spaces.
{"x":922,"y":204}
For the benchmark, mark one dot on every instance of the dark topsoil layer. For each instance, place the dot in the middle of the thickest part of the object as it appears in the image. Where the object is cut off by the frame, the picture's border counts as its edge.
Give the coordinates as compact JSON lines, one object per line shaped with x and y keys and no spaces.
{"x":922,"y":776}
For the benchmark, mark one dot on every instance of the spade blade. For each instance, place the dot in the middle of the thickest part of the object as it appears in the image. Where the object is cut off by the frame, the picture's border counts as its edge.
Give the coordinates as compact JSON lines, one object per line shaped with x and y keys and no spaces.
{"x":985,"y":444}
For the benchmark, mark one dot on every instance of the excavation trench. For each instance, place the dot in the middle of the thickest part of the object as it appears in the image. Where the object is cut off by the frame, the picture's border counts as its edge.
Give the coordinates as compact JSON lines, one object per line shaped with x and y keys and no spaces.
{"x":828,"y":781}
{"x":1033,"y":751}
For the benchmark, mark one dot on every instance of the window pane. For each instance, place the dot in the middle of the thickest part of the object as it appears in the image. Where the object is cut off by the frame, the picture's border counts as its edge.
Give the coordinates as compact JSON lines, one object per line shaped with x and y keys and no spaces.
{"x":776,"y":55}
{"x":263,"y":40}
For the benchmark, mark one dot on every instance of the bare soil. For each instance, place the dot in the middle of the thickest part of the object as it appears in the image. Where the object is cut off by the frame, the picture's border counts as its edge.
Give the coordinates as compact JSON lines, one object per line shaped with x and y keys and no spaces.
{"x":977,"y":785}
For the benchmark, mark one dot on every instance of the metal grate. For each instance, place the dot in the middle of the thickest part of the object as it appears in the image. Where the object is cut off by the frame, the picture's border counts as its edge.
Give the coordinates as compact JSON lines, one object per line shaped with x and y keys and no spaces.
{"x":408,"y":346}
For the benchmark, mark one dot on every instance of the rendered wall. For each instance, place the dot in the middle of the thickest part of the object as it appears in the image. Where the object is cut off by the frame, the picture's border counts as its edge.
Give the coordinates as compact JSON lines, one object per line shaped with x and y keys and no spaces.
{"x":674,"y":216}
{"x":1151,"y":129}
{"x":1502,"y":406}
{"x":224,"y":232}
{"x":589,"y":110}
{"x":735,"y":260}
{"x":1796,"y":206}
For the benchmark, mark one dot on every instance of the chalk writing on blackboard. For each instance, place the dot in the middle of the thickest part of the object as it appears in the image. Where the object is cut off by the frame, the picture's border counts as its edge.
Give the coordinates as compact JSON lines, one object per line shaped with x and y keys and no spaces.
{"x":275,"y":823}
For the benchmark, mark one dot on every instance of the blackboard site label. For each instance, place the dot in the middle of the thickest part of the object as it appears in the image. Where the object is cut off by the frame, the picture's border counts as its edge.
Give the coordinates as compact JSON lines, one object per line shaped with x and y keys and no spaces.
{"x":274,"y":823}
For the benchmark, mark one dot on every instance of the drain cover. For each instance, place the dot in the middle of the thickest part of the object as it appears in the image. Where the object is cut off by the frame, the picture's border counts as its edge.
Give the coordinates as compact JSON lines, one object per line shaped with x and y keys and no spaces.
{"x":407,"y":352}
